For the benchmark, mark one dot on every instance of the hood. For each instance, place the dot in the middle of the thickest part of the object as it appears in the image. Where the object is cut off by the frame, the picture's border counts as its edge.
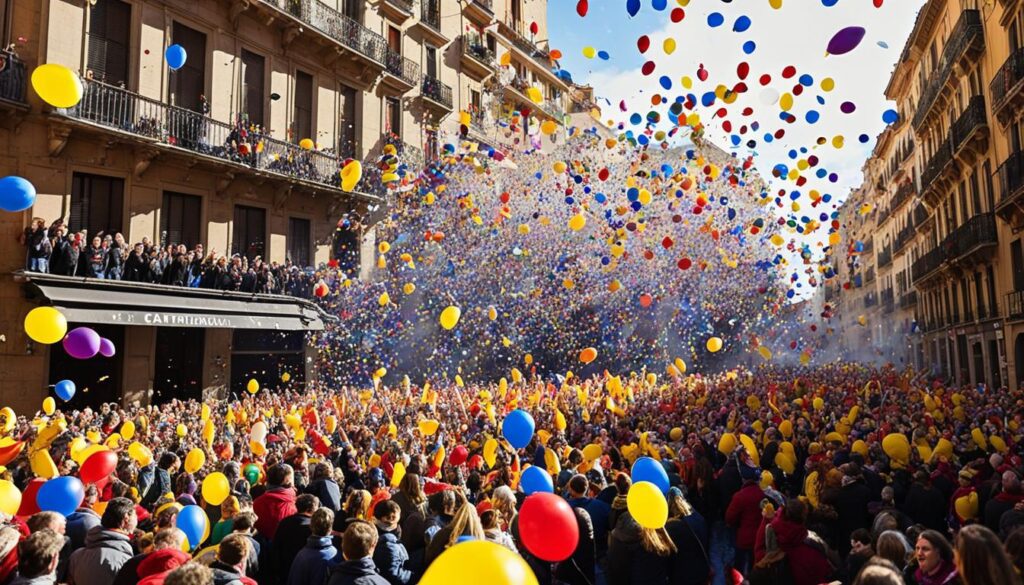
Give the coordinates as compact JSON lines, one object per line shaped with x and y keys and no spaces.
{"x":357,"y":568}
{"x":282,"y":495}
{"x":788,"y":534}
{"x":99,"y":537}
{"x":162,"y":561}
{"x":319,"y":542}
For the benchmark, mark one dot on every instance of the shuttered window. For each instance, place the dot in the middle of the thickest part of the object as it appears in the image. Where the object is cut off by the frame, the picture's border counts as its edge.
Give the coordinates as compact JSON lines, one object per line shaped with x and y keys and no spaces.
{"x":180,"y":219}
{"x":97,"y":204}
{"x":109,"y":30}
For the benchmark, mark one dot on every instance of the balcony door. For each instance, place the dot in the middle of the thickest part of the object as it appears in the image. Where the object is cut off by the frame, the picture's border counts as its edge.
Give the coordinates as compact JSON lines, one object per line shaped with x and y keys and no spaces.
{"x":188,"y":84}
{"x":180,"y":219}
{"x":349,"y":124}
{"x":108,"y":43}
{"x":252,"y":86}
{"x":250,"y":232}
{"x":97,"y":204}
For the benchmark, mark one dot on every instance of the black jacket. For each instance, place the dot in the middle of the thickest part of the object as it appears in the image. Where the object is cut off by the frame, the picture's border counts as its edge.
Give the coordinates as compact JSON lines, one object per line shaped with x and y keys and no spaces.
{"x":690,"y":565}
{"x":628,"y":562}
{"x":852,"y":507}
{"x":290,"y":537}
{"x":358,"y":572}
{"x":579,"y":568}
{"x":136,"y":268}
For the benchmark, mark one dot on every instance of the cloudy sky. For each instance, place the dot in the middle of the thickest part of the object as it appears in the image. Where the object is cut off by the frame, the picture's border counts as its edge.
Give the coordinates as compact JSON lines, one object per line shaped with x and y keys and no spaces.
{"x":795,"y":35}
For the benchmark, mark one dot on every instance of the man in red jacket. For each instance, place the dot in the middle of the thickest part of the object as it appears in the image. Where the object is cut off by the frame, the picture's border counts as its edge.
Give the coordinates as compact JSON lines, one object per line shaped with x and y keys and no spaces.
{"x":278,"y":502}
{"x":744,"y":516}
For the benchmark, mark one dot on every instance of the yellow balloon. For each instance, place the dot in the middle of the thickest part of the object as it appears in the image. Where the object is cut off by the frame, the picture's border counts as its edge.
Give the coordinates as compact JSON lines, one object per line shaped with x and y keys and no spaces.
{"x":669,"y":45}
{"x":786,"y":102}
{"x":714,"y":344}
{"x":46,"y":325}
{"x":818,"y":403}
{"x":490,"y":451}
{"x":10,"y":499}
{"x":350,"y":175}
{"x":140,"y":454}
{"x":492,"y":313}
{"x":589,"y":52}
{"x":42,"y":465}
{"x":548,"y":127}
{"x":897,"y":447}
{"x":128,"y":430}
{"x":195,"y":460}
{"x":306,"y":144}
{"x":577,"y":222}
{"x":647,"y":505}
{"x":592,"y":452}
{"x":85,"y":453}
{"x":57,"y":85}
{"x":397,"y":474}
{"x":428,"y":427}
{"x":49,"y":405}
{"x":409,"y":288}
{"x":535,"y":95}
{"x":450,"y":317}
{"x":252,"y":386}
{"x":216,"y":488}
{"x":776,"y":4}
{"x":479,"y":561}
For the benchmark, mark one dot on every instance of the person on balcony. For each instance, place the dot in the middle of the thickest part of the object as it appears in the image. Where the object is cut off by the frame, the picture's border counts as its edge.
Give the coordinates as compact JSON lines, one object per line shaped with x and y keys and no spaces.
{"x":38,"y":247}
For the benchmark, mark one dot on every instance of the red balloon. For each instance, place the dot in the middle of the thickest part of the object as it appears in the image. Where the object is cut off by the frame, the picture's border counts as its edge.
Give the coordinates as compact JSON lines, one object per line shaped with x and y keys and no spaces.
{"x":98,"y":466}
{"x":643,"y":43}
{"x":647,"y":68}
{"x":548,"y":527}
{"x":459,"y":455}
{"x":645,"y":300}
{"x":534,"y":28}
{"x":581,"y":8}
{"x":28,"y":497}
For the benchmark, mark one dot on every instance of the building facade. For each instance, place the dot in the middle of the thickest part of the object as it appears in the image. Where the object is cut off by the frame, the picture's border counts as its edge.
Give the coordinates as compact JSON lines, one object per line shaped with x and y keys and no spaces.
{"x":240,"y":150}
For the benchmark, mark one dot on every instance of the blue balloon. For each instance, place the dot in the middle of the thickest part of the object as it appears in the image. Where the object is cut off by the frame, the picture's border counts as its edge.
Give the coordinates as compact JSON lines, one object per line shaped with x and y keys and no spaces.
{"x":175,"y":56}
{"x":715,"y":19}
{"x":16,"y":194}
{"x":518,"y":428}
{"x":61,"y":494}
{"x":665,"y":81}
{"x":192,"y":521}
{"x":535,"y":479}
{"x":603,"y":55}
{"x":749,"y":47}
{"x":890,"y":116}
{"x":742,"y":24}
{"x":632,"y":7}
{"x":65,"y":389}
{"x":659,"y":4}
{"x":647,"y":469}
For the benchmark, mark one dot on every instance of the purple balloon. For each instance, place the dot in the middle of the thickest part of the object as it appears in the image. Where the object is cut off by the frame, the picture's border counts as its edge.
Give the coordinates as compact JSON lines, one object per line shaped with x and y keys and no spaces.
{"x":82,"y":343}
{"x":846,"y":40}
{"x":107,"y":348}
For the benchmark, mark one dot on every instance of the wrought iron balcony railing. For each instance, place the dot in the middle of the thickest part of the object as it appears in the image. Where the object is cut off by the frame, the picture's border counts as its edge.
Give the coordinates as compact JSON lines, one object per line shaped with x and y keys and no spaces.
{"x":339,"y":27}
{"x":909,"y":299}
{"x":13,"y":78}
{"x":977,"y":232}
{"x":436,"y":91}
{"x":885,"y":257}
{"x":475,"y":47}
{"x":972,"y":118}
{"x":1011,"y":178}
{"x":402,"y":67}
{"x":1007,"y":80}
{"x":124,"y":111}
{"x":903,"y":193}
{"x":936,"y":164}
{"x":968,"y":32}
{"x":1015,"y":304}
{"x":430,"y":13}
{"x":927,"y":264}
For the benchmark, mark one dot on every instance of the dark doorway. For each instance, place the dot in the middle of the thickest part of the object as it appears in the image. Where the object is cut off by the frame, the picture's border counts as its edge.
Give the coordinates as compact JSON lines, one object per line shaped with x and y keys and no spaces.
{"x":180,"y":219}
{"x":1018,"y":355}
{"x":995,"y":375}
{"x":188,"y":84}
{"x":179,"y":364}
{"x":98,"y":380}
{"x":109,"y":28}
{"x":962,"y":369}
{"x":265,"y":356}
{"x":346,"y":249}
{"x":97,"y":204}
{"x":979,"y":363}
{"x":250,"y":232}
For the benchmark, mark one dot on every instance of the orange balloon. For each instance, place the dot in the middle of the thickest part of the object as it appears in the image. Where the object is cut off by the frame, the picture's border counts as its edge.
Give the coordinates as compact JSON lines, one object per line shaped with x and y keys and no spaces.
{"x":555,"y":54}
{"x":588,"y":355}
{"x":645,"y":300}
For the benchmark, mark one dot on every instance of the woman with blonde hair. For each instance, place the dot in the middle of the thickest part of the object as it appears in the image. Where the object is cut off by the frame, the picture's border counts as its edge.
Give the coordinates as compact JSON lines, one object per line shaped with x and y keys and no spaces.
{"x":465,"y":524}
{"x":638,"y":555}
{"x":357,"y":507}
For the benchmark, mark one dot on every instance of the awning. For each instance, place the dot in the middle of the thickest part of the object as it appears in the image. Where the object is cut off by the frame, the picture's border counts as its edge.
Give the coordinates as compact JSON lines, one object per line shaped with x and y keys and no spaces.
{"x":91,"y":300}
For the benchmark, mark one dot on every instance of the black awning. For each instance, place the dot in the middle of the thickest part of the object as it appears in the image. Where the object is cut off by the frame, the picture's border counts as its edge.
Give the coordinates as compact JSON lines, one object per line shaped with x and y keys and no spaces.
{"x":91,"y":300}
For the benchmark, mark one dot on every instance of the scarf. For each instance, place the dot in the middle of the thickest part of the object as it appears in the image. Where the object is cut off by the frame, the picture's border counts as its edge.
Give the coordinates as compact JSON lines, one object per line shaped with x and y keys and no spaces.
{"x":945,"y":573}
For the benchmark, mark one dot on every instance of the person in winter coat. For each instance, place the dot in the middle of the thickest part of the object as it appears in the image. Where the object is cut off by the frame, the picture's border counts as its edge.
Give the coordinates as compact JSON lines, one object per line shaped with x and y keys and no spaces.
{"x":278,"y":502}
{"x":806,"y":555}
{"x":166,"y":467}
{"x":638,"y":555}
{"x":935,"y":564}
{"x":155,"y":567}
{"x":744,"y":516}
{"x":292,"y":534}
{"x":229,"y":568}
{"x":598,"y":511}
{"x":1004,"y":501}
{"x":465,"y":522}
{"x":39,"y":247}
{"x":38,"y":556}
{"x":410,"y":499}
{"x":107,"y":546}
{"x":177,"y":272}
{"x":96,"y":259}
{"x":324,"y":487}
{"x":580,"y":568}
{"x":115,"y":258}
{"x":925,"y":504}
{"x":314,"y":562}
{"x":136,"y":266}
{"x":165,"y":539}
{"x":689,"y":533}
{"x":84,"y":519}
{"x":389,"y":555}
{"x":357,"y":546}
{"x":852,"y":505}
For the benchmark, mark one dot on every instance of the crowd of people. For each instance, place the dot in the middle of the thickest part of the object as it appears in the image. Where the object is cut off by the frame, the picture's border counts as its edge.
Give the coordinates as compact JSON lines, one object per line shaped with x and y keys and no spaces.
{"x":814,"y":475}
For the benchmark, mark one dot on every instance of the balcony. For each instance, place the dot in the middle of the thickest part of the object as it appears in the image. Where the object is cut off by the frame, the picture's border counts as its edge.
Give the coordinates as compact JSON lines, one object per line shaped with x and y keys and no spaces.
{"x":397,"y":10}
{"x":903,"y":237}
{"x":1011,"y":190}
{"x":885,"y":257}
{"x":1006,"y":86}
{"x":341,"y":31}
{"x":516,"y":92}
{"x":400,"y":73}
{"x":921,"y":216}
{"x":935,"y":168}
{"x":967,"y":40}
{"x":908,"y":300}
{"x":968,"y":242}
{"x":436,"y":94}
{"x":928,"y":265}
{"x":869,"y":276}
{"x":13,"y":80}
{"x":480,"y":12}
{"x":870,"y":300}
{"x":232,"y":148}
{"x":519,"y":35}
{"x":970,"y":131}
{"x":477,"y":59}
{"x":1015,"y":304}
{"x":429,"y":23}
{"x":903,"y":194}
{"x":888,"y":301}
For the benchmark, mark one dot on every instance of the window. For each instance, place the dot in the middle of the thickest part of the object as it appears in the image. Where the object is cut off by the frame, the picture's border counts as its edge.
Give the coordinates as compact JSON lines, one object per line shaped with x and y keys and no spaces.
{"x":1017,"y":262}
{"x":252,"y":86}
{"x":395,"y":39}
{"x":250,"y":232}
{"x":392,"y":116}
{"x":431,"y":60}
{"x":474,"y":100}
{"x":298,"y":241}
{"x":97,"y":204}
{"x":975,"y":193}
{"x":303,"y":122}
{"x":350,"y":8}
{"x":431,"y":145}
{"x":517,"y":12}
{"x":979,"y":296}
{"x":991,"y":282}
{"x":180,"y":219}
{"x":188,"y":84}
{"x":109,"y":30}
{"x":348,"y":131}
{"x":991,"y":192}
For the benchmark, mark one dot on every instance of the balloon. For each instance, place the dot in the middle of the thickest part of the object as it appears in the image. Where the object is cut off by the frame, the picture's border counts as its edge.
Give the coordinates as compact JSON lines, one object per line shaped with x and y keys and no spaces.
{"x":649,"y":470}
{"x":577,"y":222}
{"x":351,"y":174}
{"x":581,"y":8}
{"x":140,"y":454}
{"x":128,"y":430}
{"x":107,"y":348}
{"x":647,"y":505}
{"x":592,"y":452}
{"x":10,"y":498}
{"x":60,"y":494}
{"x":65,"y":390}
{"x":897,"y":447}
{"x":306,"y":144}
{"x":714,"y":344}
{"x":548,"y":127}
{"x":479,"y":561}
{"x":45,"y":325}
{"x":450,"y":317}
{"x":547,"y":526}
{"x":632,"y":7}
{"x":428,"y":427}
{"x":16,"y":194}
{"x":193,"y":522}
{"x":535,"y":95}
{"x":180,"y":430}
{"x":845,"y":40}
{"x":459,"y":455}
{"x":534,"y":479}
{"x":49,"y":405}
{"x":397,"y":474}
{"x":28,"y":497}
{"x":82,"y":343}
{"x":216,"y":488}
{"x":588,"y":355}
{"x":518,"y":428}
{"x":251,"y":473}
{"x":252,"y":386}
{"x":589,"y":52}
{"x":195,"y":460}
{"x":98,"y":467}
{"x":490,"y":451}
{"x":57,"y":85}
{"x":175,"y":55}
{"x":258,"y":432}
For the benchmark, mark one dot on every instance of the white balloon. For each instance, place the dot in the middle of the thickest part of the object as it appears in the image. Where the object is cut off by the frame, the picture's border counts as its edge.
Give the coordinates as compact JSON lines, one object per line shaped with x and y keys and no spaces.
{"x":769,"y":96}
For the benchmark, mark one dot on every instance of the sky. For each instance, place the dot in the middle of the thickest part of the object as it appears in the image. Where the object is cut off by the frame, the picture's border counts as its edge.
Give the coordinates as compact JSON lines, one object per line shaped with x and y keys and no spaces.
{"x":795,"y":35}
